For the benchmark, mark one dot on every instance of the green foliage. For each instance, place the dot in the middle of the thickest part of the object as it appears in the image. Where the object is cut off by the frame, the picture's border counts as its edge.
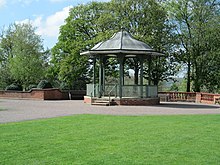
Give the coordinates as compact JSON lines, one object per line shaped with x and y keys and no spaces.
{"x":44,"y":84}
{"x":182,"y":85}
{"x":198,"y":29}
{"x":5,"y":78}
{"x":23,"y":55}
{"x":188,"y":31}
{"x":174,"y":87}
{"x":14,"y":87}
{"x":148,"y":22}
{"x":68,"y":66}
{"x":98,"y":139}
{"x":85,"y":26}
{"x":211,"y":71}
{"x":94,"y":22}
{"x":31,"y":86}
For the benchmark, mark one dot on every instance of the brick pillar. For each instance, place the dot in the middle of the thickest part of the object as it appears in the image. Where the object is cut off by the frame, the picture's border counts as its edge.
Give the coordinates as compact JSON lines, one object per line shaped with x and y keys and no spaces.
{"x":198,"y":97}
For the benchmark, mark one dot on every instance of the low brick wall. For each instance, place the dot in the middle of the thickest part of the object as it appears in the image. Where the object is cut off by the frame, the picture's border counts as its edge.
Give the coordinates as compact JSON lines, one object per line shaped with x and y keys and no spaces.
{"x":43,"y":94}
{"x":127,"y":101}
{"x":138,"y":101}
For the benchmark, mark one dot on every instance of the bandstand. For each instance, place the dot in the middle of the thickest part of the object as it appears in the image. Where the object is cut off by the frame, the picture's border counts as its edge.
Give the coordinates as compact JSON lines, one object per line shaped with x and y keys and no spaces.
{"x":121,"y":46}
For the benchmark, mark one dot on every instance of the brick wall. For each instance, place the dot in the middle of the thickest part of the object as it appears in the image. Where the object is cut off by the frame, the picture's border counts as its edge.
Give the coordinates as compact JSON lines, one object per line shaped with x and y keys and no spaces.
{"x":128,"y":101}
{"x":55,"y":94}
{"x":41,"y":94}
{"x":138,"y":101}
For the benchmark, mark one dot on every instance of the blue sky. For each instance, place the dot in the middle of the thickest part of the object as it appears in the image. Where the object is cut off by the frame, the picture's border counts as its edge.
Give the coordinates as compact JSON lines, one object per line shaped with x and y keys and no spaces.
{"x":46,"y":15}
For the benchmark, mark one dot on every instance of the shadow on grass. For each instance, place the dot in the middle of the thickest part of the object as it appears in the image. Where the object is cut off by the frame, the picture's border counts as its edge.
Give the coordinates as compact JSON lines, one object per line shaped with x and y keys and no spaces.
{"x":188,"y":105}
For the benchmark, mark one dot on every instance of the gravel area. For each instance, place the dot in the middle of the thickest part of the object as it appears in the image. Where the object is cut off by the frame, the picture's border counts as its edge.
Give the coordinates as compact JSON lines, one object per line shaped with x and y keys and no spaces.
{"x":20,"y":110}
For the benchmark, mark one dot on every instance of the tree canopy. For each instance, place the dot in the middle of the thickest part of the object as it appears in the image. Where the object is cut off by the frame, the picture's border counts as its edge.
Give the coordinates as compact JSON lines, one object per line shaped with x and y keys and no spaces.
{"x":22,"y":56}
{"x":188,"y":31}
{"x":198,"y":28}
{"x":94,"y":22}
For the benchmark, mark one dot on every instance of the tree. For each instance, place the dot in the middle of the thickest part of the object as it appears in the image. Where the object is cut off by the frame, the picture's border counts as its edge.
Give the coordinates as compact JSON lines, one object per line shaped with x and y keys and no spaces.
{"x":148,"y":22}
{"x":94,"y":22}
{"x":23,"y":55}
{"x":211,"y":82}
{"x":5,"y":54}
{"x":197,"y":26}
{"x":84,"y":27}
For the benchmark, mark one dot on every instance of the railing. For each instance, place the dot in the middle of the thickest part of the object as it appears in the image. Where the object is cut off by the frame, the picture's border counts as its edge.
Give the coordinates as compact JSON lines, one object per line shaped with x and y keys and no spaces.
{"x":92,"y":90}
{"x":111,"y":88}
{"x":179,"y":96}
{"x":210,"y":98}
{"x":207,"y":96}
{"x":217,"y":100}
{"x":109,"y":94}
{"x":135,"y":91}
{"x":146,"y":91}
{"x":151,"y":91}
{"x":190,"y":97}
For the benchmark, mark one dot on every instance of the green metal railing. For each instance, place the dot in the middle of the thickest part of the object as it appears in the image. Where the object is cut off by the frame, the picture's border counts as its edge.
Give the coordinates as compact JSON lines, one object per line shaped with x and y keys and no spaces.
{"x":114,"y":88}
{"x":136,"y":91}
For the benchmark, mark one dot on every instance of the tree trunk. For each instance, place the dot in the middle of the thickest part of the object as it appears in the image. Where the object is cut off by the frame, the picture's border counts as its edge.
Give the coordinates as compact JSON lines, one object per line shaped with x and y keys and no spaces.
{"x":197,"y":83}
{"x":156,"y":82}
{"x":188,"y":77}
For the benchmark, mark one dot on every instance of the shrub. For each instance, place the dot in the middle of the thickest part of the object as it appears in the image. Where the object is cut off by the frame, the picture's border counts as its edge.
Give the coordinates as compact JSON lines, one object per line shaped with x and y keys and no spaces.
{"x":44,"y":84}
{"x":31,"y":86}
{"x":14,"y":87}
{"x":63,"y":86}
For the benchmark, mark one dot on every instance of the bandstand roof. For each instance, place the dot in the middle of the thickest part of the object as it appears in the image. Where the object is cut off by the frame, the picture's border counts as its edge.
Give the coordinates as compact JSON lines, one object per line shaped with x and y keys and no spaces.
{"x":122,"y":43}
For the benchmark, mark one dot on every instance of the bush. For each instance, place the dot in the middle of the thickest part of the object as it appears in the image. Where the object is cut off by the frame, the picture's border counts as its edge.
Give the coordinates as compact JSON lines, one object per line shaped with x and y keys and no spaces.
{"x":44,"y":84}
{"x":14,"y":87}
{"x":63,"y":86}
{"x":31,"y":86}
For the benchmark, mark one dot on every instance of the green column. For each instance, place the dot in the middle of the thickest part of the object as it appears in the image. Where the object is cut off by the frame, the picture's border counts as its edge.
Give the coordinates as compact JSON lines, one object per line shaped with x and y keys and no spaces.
{"x":141,"y":74}
{"x":149,"y":70}
{"x":100,"y":76}
{"x":123,"y":82}
{"x":121,"y":59}
{"x":94,"y":77}
{"x":103,"y":74}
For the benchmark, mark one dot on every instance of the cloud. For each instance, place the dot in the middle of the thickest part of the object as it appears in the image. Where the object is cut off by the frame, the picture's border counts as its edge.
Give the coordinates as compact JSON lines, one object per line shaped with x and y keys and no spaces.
{"x":49,"y":27}
{"x":2,"y":3}
{"x":20,"y":2}
{"x":26,"y":2}
{"x":58,"y":0}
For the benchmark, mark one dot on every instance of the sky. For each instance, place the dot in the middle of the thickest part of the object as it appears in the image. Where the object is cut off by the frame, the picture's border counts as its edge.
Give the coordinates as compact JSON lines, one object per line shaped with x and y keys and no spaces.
{"x":46,"y":15}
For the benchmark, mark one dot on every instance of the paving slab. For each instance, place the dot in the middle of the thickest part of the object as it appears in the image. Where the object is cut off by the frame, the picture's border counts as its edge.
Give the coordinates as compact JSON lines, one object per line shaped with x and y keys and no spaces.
{"x":12,"y":110}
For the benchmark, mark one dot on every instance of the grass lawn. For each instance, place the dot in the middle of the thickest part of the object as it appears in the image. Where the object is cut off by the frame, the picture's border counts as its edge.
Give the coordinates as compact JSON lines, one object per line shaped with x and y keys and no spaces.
{"x":99,"y":139}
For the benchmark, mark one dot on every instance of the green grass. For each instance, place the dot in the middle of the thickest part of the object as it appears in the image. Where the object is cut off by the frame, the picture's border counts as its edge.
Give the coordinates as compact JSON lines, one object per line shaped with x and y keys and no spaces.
{"x":99,"y":139}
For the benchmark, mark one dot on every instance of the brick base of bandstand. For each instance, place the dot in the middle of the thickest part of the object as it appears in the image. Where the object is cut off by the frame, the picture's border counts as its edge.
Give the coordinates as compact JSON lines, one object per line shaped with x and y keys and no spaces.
{"x":125,"y":101}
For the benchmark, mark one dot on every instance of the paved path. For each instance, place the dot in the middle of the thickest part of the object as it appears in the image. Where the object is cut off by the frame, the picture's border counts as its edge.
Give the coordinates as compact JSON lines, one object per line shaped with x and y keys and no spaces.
{"x":20,"y":110}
